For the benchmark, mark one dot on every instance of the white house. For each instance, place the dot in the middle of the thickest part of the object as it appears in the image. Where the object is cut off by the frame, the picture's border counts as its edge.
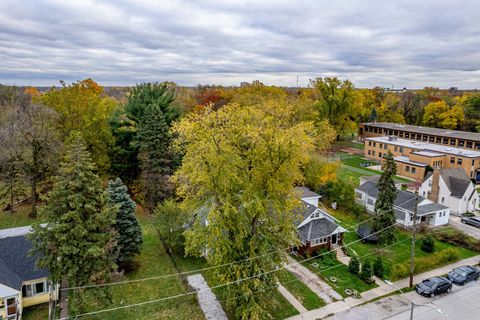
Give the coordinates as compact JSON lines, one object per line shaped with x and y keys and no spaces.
{"x":428,"y":212}
{"x":451,"y":187}
{"x":315,"y":227}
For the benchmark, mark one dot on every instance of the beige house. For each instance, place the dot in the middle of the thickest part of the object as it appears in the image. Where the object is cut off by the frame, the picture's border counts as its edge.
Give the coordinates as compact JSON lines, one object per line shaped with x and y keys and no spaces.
{"x":22,"y":284}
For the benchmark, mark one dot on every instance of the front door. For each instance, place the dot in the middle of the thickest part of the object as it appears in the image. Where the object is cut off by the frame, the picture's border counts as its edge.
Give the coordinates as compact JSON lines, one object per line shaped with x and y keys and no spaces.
{"x":334,"y":238}
{"x":11,"y":304}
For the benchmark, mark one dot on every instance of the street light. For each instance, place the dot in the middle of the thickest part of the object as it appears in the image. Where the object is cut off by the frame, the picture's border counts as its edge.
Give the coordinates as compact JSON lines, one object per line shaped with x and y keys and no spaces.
{"x":412,"y":304}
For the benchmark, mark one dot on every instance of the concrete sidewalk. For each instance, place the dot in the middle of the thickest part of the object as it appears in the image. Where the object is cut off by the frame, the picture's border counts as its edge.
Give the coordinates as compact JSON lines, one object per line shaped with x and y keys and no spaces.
{"x":380,"y":291}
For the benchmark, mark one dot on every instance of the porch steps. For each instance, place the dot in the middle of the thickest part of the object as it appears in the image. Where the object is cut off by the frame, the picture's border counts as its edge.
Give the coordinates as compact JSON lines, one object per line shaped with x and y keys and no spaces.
{"x":341,"y":256}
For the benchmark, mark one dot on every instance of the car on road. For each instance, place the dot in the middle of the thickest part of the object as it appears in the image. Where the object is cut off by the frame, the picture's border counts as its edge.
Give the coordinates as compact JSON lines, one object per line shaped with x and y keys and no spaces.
{"x":462,"y":275}
{"x":433,"y":286}
{"x":473,"y":221}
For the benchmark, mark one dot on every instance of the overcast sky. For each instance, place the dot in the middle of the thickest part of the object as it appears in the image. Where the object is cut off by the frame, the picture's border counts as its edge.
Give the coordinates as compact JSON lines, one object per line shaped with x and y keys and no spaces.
{"x":387,"y":43}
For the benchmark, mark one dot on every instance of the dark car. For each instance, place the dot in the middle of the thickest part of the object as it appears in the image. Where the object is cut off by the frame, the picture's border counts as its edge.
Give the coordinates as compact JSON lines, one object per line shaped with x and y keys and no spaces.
{"x":364,"y":232}
{"x":473,"y":221}
{"x":433,"y":286}
{"x":462,"y":275}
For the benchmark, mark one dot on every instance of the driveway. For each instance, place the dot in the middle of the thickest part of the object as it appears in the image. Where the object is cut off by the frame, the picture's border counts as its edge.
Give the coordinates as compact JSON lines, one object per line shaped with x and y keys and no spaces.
{"x":470,"y":230}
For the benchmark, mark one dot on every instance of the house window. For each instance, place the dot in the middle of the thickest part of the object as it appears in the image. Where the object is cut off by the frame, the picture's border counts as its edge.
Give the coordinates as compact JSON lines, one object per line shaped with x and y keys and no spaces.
{"x":443,"y":199}
{"x":452,"y":160}
{"x":33,"y":289}
{"x":370,"y":202}
{"x":459,"y":161}
{"x":358,"y":195}
{"x":414,"y":169}
{"x":407,"y":168}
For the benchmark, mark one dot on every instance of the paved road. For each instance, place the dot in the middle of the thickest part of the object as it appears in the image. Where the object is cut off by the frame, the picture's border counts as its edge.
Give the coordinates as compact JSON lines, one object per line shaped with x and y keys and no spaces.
{"x":460,"y":304}
{"x":456,"y":223}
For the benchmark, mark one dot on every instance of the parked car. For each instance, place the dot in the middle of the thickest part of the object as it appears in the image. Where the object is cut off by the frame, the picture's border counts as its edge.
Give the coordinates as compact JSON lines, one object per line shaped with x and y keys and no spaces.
{"x":433,"y":286}
{"x":473,"y":221}
{"x":462,"y":275}
{"x":364,"y":232}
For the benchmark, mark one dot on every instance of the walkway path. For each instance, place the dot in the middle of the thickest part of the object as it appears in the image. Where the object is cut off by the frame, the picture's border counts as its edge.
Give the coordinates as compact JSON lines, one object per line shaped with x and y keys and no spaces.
{"x":290,"y":298}
{"x":380,"y":291}
{"x":312,"y":281}
{"x":206,"y":299}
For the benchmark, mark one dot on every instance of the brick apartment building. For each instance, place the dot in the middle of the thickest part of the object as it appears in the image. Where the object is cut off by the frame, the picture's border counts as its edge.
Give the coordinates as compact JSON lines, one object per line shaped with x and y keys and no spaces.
{"x":446,"y":137}
{"x":414,"y":157}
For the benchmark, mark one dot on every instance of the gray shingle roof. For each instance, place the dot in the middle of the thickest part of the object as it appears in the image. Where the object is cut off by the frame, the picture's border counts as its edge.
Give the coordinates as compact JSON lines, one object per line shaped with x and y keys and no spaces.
{"x":16,"y":265}
{"x":317,"y":228}
{"x":404,"y":200}
{"x":306,"y":193}
{"x":456,"y":180}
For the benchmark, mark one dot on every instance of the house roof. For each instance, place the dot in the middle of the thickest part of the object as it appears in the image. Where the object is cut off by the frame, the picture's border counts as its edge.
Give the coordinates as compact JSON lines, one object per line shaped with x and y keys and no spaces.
{"x":456,"y":180}
{"x":317,"y":228}
{"x":306,"y":193}
{"x":16,"y":266}
{"x":404,"y":200}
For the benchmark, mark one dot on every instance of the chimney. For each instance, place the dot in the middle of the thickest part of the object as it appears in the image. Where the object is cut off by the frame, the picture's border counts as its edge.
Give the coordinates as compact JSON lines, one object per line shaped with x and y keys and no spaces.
{"x":435,"y":185}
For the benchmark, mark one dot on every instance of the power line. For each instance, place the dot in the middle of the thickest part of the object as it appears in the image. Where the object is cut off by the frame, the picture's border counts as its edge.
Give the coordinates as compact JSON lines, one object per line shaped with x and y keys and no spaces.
{"x":201,"y":269}
{"x":221,"y":285}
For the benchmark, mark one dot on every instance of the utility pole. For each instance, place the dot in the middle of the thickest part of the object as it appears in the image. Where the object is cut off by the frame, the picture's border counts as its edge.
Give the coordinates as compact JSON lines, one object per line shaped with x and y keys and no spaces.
{"x":412,"y":248}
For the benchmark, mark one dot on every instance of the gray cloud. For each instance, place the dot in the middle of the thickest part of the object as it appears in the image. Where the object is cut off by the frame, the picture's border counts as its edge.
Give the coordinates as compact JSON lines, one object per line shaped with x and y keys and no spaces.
{"x":388,"y":43}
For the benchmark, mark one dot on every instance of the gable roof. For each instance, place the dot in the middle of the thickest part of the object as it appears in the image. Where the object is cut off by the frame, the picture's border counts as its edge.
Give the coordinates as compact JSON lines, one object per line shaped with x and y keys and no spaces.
{"x":317,"y":228}
{"x":16,"y":266}
{"x":456,"y":180}
{"x":306,"y":193}
{"x":404,"y":200}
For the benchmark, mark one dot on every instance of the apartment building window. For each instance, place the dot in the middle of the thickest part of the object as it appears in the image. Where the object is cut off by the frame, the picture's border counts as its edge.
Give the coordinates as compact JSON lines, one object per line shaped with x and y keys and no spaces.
{"x":407,"y":135}
{"x":374,"y":144}
{"x":369,"y":143}
{"x":419,"y":137}
{"x":459,"y":161}
{"x":369,"y":152}
{"x":452,"y":160}
{"x":396,"y":148}
{"x":469,"y":144}
{"x":473,"y":162}
{"x":439,"y":140}
{"x":452,"y":142}
{"x":477,"y":145}
{"x":379,"y":154}
{"x":461,"y":143}
{"x":414,"y":169}
{"x":400,"y":134}
{"x":407,"y":168}
{"x":385,"y":146}
{"x":373,"y":153}
{"x":381,"y":145}
{"x":401,"y":149}
{"x":445,"y":140}
{"x":425,"y":138}
{"x":432,"y":139}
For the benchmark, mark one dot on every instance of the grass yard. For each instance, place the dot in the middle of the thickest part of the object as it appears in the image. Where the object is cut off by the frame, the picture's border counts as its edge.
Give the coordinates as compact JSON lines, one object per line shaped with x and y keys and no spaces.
{"x":300,"y":291}
{"x":153,"y":261}
{"x":328,"y":268}
{"x":397,"y":256}
{"x":39,"y":312}
{"x":18,"y":218}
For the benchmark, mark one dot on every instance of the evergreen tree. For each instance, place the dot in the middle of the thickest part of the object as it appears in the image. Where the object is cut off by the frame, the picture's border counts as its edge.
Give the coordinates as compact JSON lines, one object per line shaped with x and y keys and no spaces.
{"x":157,"y":160}
{"x":354,"y":265}
{"x":373,"y":115}
{"x":129,"y":233}
{"x":384,"y":204}
{"x":367,"y":271}
{"x":77,"y":242}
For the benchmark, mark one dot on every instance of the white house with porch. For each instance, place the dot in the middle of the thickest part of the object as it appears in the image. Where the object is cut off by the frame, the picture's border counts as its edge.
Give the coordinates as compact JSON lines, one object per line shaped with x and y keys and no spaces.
{"x":428,"y":212}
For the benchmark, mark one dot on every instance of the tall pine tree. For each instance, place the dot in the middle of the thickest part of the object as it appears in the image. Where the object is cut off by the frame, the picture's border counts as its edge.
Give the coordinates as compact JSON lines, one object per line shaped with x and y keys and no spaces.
{"x":78,"y":240}
{"x":384,"y":204}
{"x":157,"y":161}
{"x":129,"y":233}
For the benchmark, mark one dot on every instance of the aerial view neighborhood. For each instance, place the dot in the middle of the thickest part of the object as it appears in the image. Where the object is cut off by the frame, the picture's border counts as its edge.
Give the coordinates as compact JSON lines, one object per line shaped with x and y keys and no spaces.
{"x":239,"y":160}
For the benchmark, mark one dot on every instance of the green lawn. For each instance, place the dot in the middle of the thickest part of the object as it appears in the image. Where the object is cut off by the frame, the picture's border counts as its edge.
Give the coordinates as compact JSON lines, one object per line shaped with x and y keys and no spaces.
{"x":300,"y":291}
{"x":39,"y":312}
{"x":348,"y":142}
{"x":328,"y":268}
{"x":153,"y":261}
{"x":399,"y":252}
{"x":18,"y":218}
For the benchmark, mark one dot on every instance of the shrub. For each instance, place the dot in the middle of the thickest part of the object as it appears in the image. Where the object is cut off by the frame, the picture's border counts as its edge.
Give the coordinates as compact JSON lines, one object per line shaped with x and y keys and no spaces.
{"x":354,"y":265}
{"x":378,"y":267}
{"x":428,"y":244}
{"x":457,"y":238}
{"x":367,"y":271}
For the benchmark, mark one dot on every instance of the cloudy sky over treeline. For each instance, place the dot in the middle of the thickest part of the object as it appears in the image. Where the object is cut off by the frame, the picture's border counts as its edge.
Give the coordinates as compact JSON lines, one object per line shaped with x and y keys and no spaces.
{"x":387,"y":43}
